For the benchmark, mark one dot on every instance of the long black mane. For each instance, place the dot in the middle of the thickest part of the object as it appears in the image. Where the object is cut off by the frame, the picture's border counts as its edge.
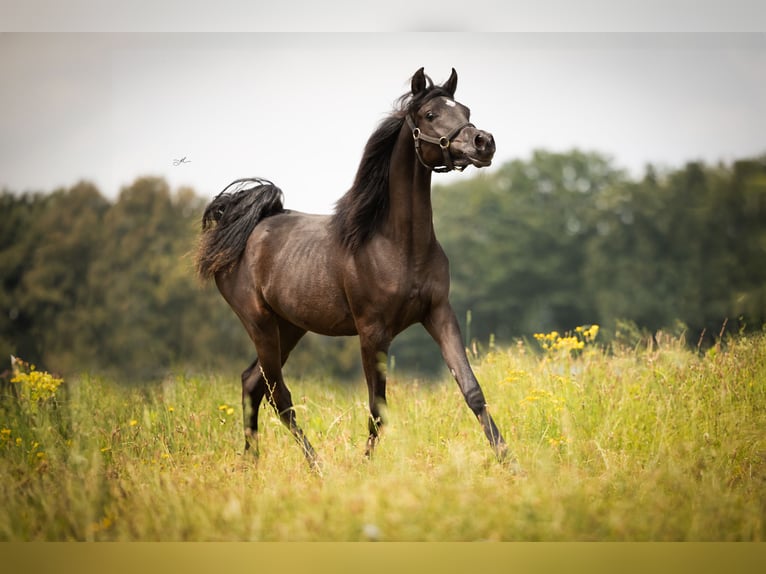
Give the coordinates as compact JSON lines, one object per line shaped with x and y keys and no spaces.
{"x":363,"y":208}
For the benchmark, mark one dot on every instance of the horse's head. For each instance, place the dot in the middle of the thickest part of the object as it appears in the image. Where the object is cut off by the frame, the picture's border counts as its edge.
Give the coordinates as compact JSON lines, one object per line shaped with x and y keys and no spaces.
{"x":445,"y":139}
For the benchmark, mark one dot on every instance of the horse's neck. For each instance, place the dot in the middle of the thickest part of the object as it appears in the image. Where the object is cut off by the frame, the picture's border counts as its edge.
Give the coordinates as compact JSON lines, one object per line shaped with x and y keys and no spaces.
{"x":410,"y":217}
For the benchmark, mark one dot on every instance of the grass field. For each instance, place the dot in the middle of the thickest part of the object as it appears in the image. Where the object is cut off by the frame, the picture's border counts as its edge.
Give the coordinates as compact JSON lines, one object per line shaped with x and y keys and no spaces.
{"x":636,"y":444}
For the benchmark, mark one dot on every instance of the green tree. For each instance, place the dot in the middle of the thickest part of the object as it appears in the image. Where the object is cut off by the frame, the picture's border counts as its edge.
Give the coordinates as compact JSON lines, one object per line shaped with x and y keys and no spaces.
{"x":548,"y":243}
{"x":518,"y":240}
{"x":17,"y":245}
{"x":54,"y":289}
{"x":746,"y":231}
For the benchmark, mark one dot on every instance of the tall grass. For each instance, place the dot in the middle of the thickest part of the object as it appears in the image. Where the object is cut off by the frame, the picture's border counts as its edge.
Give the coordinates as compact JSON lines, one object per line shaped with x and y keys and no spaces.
{"x":649,"y":444}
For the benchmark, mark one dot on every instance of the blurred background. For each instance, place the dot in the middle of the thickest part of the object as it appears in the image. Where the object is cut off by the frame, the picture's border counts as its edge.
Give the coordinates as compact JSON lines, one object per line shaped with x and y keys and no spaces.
{"x":628,"y":190}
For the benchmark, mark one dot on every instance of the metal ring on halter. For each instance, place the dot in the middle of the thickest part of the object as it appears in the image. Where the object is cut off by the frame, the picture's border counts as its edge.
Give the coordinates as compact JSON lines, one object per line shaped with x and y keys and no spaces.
{"x":443,"y":142}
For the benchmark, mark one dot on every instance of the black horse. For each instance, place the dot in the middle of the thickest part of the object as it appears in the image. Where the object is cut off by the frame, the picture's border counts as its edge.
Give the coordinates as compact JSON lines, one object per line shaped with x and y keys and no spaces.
{"x":371,"y":269}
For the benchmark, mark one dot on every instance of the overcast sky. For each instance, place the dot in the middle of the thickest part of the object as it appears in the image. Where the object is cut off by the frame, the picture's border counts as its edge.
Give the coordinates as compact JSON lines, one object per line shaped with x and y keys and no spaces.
{"x":298,"y":108}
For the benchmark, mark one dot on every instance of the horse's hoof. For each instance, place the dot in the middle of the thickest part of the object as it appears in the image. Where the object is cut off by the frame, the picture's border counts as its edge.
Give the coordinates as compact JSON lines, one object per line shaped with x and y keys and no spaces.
{"x":509,"y":461}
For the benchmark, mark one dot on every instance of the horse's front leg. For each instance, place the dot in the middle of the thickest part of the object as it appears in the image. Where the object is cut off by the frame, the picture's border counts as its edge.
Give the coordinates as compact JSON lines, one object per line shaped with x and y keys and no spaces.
{"x":374,"y":345}
{"x":442,"y":325}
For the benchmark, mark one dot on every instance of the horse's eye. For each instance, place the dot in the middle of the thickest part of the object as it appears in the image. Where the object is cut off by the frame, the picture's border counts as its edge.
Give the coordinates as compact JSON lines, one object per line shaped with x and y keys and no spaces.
{"x":430,"y":116}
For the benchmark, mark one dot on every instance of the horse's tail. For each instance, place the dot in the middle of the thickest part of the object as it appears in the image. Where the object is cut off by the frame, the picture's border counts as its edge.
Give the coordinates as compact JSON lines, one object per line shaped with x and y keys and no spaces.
{"x":230,"y":219}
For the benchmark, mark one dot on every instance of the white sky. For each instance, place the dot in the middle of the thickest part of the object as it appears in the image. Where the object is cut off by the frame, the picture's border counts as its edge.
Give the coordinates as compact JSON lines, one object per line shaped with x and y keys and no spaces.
{"x":298,"y":108}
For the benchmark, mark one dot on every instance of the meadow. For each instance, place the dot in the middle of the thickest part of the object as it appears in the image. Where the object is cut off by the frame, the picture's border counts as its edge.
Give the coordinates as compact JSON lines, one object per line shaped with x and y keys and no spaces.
{"x":659,"y":442}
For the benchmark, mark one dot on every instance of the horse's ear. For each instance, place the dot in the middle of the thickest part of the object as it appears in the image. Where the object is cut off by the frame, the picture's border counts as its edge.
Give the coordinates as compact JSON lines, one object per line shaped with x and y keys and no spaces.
{"x":418,"y":82}
{"x":451,"y":84}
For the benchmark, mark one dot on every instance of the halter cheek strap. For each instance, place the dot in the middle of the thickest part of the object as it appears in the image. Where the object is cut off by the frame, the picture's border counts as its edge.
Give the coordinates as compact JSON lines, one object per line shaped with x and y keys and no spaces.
{"x":443,"y":142}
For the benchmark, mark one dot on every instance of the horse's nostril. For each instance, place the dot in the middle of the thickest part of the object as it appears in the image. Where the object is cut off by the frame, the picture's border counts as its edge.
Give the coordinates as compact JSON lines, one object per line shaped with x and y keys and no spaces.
{"x":488,"y":142}
{"x":484,"y":142}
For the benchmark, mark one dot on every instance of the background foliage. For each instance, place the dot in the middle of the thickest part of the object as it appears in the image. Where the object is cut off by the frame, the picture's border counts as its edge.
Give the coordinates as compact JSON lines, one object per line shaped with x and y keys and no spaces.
{"x":547,"y":243}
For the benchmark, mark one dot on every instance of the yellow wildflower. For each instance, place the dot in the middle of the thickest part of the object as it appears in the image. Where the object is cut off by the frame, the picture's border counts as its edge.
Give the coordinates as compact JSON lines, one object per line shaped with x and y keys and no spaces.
{"x":572,"y":341}
{"x":36,"y":386}
{"x":590,"y":333}
{"x":558,"y":441}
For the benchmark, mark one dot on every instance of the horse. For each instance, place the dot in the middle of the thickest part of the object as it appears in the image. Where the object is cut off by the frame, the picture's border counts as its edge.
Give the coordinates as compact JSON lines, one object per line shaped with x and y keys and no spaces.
{"x":371,"y":269}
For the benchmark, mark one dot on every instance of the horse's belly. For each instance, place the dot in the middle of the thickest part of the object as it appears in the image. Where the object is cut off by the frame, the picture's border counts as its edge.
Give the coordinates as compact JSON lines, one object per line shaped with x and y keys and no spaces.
{"x":309,"y":296}
{"x":317,"y":311}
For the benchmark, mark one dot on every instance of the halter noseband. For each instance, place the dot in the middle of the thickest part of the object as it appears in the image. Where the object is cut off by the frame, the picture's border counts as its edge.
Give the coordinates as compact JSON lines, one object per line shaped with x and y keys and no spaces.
{"x":443,"y":142}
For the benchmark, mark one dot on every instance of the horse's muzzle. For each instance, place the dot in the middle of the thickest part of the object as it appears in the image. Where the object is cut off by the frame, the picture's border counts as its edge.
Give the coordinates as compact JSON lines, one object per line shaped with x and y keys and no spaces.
{"x":473,"y":147}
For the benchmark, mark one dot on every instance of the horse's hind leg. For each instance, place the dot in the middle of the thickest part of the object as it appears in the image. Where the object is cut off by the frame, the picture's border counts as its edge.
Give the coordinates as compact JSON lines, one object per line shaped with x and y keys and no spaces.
{"x":253,"y":387}
{"x":280,"y":398}
{"x":273,"y":341}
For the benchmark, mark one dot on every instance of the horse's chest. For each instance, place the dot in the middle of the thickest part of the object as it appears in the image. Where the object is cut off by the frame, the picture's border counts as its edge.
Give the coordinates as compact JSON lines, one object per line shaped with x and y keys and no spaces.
{"x":407,"y":299}
{"x":395,"y":288}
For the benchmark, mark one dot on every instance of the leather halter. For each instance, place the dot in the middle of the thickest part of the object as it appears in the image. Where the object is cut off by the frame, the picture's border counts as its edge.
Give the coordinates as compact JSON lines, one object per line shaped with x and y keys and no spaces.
{"x":443,"y":142}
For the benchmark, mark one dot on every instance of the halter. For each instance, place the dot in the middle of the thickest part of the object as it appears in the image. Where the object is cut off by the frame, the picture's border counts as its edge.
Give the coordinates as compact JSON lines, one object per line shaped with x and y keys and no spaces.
{"x":443,"y":142}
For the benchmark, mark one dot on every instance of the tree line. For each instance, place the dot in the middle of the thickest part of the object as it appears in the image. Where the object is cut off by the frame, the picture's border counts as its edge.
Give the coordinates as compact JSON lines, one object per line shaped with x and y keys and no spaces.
{"x":547,"y":243}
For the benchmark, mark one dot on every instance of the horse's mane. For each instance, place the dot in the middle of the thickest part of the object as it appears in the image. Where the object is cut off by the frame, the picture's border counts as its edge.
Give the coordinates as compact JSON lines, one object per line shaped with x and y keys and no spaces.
{"x":363,"y":208}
